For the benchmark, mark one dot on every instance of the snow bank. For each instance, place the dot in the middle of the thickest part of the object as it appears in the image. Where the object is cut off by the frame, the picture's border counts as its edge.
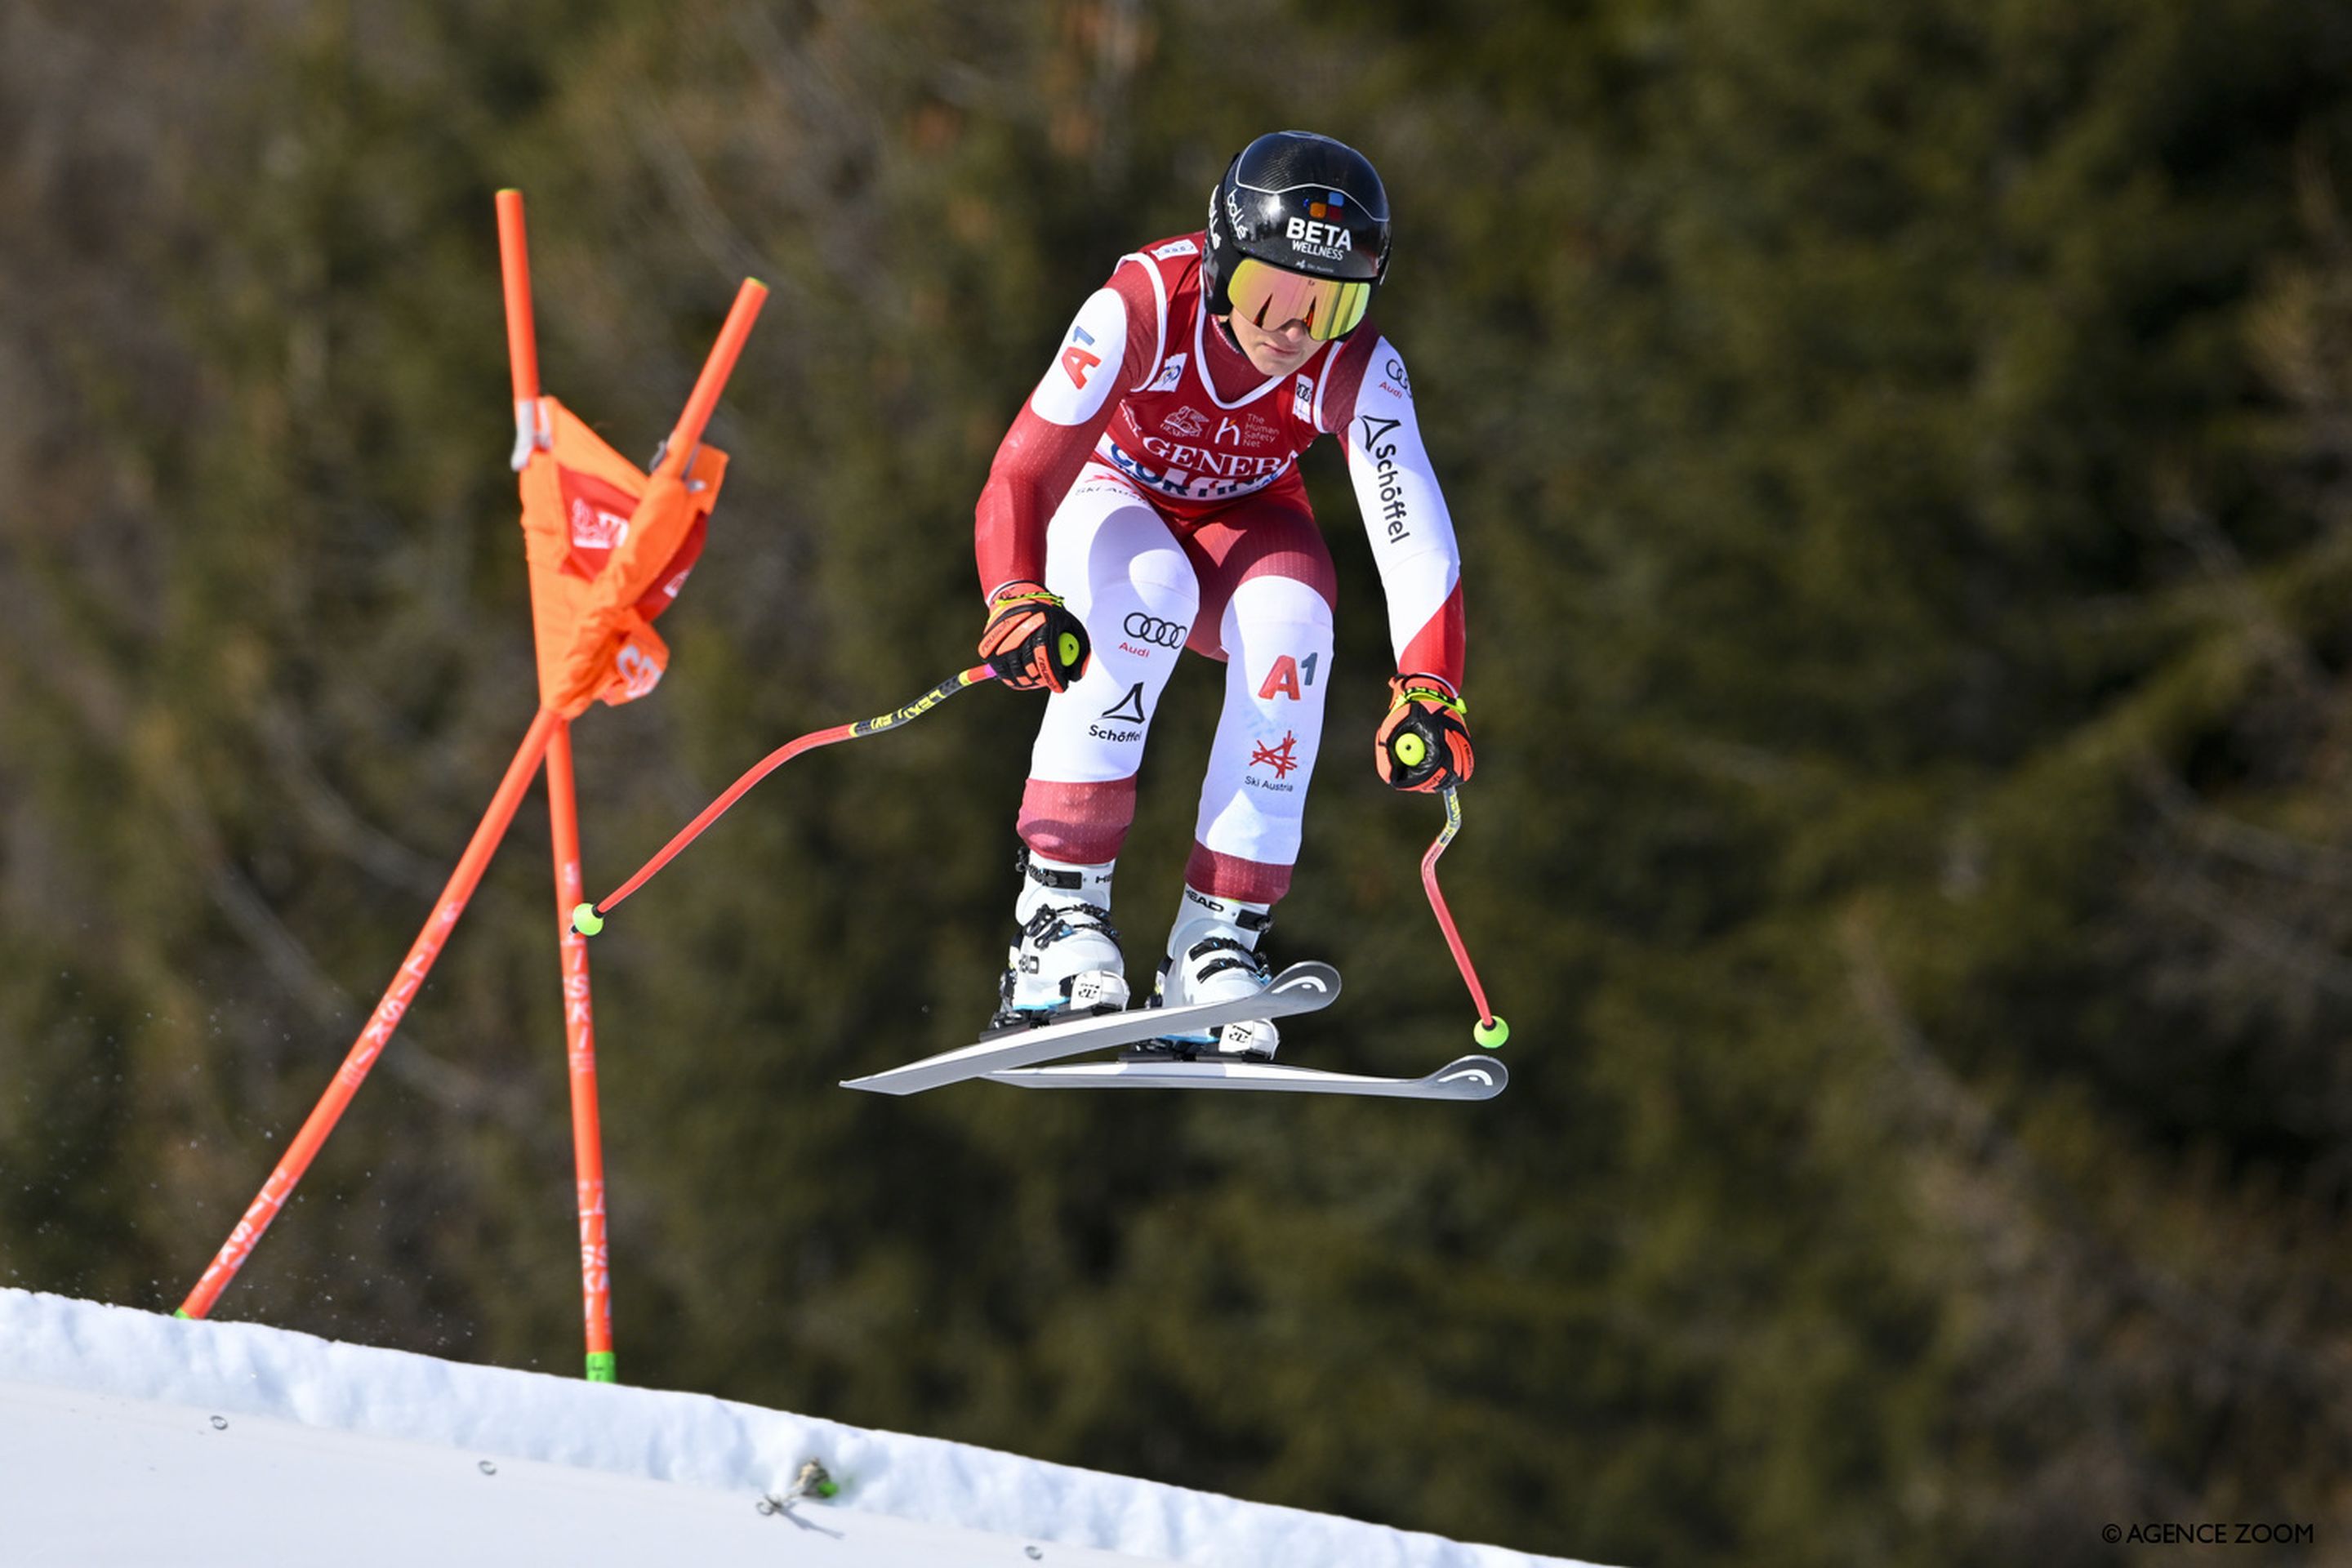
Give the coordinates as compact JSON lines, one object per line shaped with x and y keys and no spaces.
{"x":326,"y":1416}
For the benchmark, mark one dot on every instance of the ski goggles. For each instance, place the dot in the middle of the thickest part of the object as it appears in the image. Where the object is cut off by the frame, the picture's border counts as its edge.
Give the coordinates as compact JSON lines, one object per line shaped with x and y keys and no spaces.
{"x":1265,"y":296}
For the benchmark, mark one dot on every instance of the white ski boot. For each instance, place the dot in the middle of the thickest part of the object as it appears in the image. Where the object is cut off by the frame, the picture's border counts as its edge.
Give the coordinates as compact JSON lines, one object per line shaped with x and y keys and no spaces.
{"x":1213,"y":957}
{"x":1065,"y":960}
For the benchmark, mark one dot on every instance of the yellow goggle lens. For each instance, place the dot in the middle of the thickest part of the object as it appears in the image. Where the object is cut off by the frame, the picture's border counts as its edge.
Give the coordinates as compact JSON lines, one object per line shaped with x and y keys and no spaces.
{"x":1267,"y":297}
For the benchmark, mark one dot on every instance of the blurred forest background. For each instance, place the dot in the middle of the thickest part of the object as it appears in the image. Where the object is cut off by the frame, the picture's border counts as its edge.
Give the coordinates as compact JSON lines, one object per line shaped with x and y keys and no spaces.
{"x":1902,"y":455}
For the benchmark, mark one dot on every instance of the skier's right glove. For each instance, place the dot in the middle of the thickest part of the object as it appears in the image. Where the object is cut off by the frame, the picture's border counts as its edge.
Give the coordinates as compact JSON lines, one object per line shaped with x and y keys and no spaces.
{"x":1031,"y":640}
{"x":1423,"y":743}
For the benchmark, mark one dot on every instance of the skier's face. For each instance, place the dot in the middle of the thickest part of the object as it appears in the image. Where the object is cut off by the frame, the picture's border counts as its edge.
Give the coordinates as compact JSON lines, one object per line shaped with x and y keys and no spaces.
{"x":1276,"y":350}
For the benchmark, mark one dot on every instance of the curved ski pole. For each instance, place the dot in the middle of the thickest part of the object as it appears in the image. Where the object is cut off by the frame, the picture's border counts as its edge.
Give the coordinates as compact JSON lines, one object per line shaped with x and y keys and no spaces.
{"x":588,"y":919}
{"x":1490,"y":1031}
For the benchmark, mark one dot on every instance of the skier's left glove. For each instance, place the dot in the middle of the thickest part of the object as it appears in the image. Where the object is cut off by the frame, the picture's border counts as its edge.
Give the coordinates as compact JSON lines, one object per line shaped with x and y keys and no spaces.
{"x":1424,"y":743}
{"x":1031,"y":640}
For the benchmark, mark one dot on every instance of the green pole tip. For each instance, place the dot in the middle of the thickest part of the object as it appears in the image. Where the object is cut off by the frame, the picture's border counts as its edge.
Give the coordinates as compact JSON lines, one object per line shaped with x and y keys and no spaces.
{"x":585,"y":919}
{"x":604,"y":1366}
{"x":1491,"y":1032}
{"x":183,"y":1312}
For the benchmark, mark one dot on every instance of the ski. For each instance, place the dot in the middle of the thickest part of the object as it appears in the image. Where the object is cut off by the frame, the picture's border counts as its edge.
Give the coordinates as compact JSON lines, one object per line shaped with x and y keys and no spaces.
{"x":1468,"y":1077}
{"x":1301,"y":988}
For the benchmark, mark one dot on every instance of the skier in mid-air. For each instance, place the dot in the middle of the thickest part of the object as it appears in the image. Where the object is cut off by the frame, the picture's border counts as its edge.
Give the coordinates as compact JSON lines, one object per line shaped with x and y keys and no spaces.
{"x":1148,"y":500}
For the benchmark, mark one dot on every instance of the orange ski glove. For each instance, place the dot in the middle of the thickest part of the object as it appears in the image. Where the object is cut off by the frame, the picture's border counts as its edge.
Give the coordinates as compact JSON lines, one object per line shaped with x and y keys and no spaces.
{"x":1423,"y":743}
{"x":1031,"y":640}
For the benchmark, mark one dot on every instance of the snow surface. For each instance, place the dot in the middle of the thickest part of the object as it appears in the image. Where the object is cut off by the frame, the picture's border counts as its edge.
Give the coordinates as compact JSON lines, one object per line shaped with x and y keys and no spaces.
{"x":126,"y":1437}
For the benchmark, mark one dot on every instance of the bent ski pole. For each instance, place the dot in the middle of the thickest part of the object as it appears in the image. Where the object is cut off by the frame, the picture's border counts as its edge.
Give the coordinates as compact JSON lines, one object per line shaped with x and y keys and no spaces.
{"x":1490,"y":1031}
{"x":589,"y":918}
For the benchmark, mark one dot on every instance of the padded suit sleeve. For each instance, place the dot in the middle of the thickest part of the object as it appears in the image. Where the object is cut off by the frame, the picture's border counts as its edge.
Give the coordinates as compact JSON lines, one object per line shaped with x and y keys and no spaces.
{"x":1404,"y":512}
{"x":1109,"y":349}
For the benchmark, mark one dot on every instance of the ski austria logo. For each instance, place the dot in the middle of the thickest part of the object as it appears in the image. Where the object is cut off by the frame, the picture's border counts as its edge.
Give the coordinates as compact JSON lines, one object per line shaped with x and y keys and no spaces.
{"x":1151,"y":629}
{"x":1279,"y":758}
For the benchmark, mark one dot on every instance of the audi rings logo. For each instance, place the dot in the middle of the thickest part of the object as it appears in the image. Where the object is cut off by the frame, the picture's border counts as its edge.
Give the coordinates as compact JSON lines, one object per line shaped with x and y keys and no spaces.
{"x":1150,"y":629}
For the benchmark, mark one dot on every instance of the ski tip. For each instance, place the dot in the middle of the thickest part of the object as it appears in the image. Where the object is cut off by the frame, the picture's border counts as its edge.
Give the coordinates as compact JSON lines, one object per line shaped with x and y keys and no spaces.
{"x":1311,"y":975}
{"x":878,"y":1083}
{"x":1474,"y":1077}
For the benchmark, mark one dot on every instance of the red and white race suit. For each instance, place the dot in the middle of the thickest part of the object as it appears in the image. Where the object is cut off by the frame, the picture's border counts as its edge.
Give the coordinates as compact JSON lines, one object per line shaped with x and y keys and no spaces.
{"x":1151,"y":480}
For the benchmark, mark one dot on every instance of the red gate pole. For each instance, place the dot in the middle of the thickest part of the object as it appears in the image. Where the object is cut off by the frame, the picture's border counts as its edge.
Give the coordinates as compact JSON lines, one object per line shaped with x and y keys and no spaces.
{"x":405,"y":984}
{"x":580,"y":1041}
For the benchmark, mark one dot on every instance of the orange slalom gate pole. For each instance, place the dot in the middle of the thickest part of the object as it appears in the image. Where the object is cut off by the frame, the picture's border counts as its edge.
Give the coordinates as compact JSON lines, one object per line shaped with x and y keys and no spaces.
{"x":580,"y":1040}
{"x":678,"y":450}
{"x":380,"y":1023}
{"x":522,"y":337}
{"x":564,"y":813}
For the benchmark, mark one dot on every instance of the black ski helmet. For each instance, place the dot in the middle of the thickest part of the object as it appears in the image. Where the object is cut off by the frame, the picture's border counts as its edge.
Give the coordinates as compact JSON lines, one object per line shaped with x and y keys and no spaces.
{"x":1304,"y":204}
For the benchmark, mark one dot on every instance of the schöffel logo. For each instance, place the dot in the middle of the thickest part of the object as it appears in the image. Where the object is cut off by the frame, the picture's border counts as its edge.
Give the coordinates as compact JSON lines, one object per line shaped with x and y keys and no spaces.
{"x":1382,"y":451}
{"x":1151,"y":629}
{"x":1130,"y":707}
